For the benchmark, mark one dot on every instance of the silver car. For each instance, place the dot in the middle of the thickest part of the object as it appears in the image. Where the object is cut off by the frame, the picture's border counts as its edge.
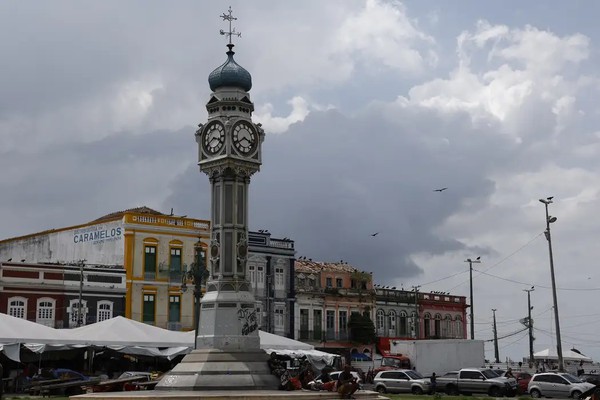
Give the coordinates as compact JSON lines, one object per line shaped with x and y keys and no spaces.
{"x":401,"y":380}
{"x":557,"y":384}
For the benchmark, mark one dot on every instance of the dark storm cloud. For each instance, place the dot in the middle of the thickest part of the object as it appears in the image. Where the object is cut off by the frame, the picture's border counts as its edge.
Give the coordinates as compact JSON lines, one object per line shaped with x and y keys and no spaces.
{"x":332,"y":181}
{"x":76,"y":183}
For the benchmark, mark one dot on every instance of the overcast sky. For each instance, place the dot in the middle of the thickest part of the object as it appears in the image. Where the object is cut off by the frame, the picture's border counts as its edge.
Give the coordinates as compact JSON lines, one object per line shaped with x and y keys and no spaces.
{"x":368,"y":107}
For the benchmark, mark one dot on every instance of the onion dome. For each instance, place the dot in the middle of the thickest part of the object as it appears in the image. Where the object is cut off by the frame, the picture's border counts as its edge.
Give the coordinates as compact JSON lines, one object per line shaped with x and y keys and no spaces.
{"x":230,"y":74}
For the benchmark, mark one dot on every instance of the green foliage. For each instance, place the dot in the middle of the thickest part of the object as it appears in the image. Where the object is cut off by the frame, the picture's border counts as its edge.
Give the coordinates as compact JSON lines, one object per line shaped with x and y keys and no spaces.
{"x":362,"y":329}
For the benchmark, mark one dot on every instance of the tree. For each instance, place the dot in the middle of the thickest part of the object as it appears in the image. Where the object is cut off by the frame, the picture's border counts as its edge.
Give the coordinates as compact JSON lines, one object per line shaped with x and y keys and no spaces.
{"x":362,"y":329}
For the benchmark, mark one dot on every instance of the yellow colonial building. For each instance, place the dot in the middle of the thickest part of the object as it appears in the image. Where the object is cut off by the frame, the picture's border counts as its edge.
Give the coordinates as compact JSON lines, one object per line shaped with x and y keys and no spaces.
{"x":153,"y":248}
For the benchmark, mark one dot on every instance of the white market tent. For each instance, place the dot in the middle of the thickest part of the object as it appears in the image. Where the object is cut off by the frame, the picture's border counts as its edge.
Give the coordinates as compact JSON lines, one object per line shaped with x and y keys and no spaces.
{"x":569,"y":355}
{"x":119,"y":334}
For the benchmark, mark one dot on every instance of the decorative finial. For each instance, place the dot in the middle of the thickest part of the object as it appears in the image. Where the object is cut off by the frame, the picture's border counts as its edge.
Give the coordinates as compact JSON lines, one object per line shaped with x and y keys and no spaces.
{"x":229,"y":17}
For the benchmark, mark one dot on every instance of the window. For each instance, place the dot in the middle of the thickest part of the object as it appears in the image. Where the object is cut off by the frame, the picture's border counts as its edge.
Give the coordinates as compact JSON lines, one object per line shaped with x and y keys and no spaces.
{"x":330,"y":324}
{"x":304,"y":324}
{"x":427,"y":325}
{"x":458,"y":327}
{"x":45,"y":312}
{"x":437,"y":326}
{"x":260,"y":276}
{"x":318,"y":324}
{"x":380,"y":322}
{"x":343,"y":321}
{"x":105,"y":310}
{"x":403,"y":323}
{"x":75,"y":318}
{"x":149,"y":262}
{"x":252,"y":274}
{"x":175,"y":261}
{"x":17,"y":307}
{"x":392,"y":323}
{"x":279,"y":278}
{"x":279,"y":319}
{"x":149,"y":310}
{"x":339,"y":283}
{"x":329,"y":282}
{"x":447,"y":329}
{"x":174,"y":308}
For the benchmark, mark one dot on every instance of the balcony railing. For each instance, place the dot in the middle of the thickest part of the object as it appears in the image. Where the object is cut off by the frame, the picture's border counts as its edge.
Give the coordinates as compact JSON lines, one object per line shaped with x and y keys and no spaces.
{"x":309,"y":335}
{"x":174,"y":326}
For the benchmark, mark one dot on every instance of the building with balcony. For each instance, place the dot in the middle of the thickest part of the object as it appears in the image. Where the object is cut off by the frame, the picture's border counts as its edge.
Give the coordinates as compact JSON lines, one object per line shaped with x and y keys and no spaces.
{"x":326,"y":296}
{"x":153,"y":249}
{"x":61,"y":296}
{"x":400,"y":316}
{"x":270,"y":270}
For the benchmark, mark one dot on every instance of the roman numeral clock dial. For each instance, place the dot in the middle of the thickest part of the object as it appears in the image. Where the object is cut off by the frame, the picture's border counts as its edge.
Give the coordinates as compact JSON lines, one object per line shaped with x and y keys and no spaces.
{"x":214,"y":138}
{"x":245,"y":138}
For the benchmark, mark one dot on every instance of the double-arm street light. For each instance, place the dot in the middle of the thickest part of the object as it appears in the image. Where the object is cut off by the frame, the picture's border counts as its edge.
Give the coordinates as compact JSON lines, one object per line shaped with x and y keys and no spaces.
{"x":197,"y":273}
{"x":550,"y":219}
{"x":471,"y":262}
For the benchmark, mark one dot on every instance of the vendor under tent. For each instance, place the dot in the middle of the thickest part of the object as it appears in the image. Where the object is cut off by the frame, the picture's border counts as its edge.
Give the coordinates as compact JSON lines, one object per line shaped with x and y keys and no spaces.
{"x":569,"y":355}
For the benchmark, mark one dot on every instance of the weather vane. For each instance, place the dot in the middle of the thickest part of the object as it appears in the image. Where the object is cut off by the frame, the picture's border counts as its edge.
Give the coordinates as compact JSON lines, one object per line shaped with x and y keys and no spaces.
{"x":229,"y":17}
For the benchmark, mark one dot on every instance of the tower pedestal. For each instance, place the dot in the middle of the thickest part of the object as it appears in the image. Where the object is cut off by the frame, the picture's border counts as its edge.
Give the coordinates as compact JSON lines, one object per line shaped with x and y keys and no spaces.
{"x":213,"y":369}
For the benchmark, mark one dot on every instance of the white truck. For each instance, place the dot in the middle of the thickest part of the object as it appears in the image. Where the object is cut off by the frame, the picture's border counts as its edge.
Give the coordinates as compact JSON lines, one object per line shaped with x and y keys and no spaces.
{"x":440,"y":355}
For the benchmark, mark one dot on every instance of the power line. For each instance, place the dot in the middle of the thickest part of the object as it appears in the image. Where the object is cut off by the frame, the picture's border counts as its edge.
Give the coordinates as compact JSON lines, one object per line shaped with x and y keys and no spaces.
{"x":538,"y":285}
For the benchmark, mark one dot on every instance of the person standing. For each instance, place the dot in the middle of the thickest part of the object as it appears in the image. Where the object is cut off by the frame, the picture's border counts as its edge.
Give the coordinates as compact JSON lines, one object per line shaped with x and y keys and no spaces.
{"x":433,"y":380}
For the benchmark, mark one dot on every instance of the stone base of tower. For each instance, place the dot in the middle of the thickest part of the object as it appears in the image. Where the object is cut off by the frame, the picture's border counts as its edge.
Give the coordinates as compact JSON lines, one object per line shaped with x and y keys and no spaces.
{"x":214,"y":369}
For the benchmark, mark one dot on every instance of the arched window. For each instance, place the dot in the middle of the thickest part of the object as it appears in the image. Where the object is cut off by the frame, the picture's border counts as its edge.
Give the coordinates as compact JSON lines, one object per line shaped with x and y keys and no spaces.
{"x":17,"y":307}
{"x":447,"y":328}
{"x":105,"y":310}
{"x":380,"y":323}
{"x":392,"y":323}
{"x":427,"y":325}
{"x":403,"y":323}
{"x":438,"y":326}
{"x":45,"y":311}
{"x":458,"y":324}
{"x":75,"y":315}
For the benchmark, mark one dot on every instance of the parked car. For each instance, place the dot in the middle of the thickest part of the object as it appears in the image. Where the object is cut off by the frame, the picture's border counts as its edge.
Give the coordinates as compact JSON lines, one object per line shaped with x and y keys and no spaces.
{"x":401,"y":380}
{"x":591,"y":378}
{"x":476,"y":380}
{"x":522,"y":379}
{"x":557,"y":384}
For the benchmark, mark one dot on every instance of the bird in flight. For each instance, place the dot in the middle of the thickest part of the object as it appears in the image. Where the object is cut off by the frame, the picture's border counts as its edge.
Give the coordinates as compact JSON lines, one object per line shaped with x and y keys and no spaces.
{"x":375,"y":234}
{"x":440,"y":190}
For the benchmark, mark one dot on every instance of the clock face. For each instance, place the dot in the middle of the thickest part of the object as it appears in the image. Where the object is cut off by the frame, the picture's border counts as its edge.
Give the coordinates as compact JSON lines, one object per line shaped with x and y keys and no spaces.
{"x":214,"y":138}
{"x":245,"y":138}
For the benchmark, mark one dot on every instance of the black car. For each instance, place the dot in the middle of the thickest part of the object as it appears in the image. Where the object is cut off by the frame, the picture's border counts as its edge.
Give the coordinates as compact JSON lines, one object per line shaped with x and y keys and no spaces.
{"x":591,"y":378}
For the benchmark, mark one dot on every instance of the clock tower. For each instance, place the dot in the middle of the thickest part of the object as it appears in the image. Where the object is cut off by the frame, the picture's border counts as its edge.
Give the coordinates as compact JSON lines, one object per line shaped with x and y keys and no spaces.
{"x":227,"y":354}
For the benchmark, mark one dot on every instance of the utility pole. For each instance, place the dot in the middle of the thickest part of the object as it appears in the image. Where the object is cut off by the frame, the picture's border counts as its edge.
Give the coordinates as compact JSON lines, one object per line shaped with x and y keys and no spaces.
{"x":549,"y":220}
{"x":416,"y":322}
{"x":472,"y":313}
{"x":496,"y":352}
{"x":80,"y":305}
{"x":530,"y":324}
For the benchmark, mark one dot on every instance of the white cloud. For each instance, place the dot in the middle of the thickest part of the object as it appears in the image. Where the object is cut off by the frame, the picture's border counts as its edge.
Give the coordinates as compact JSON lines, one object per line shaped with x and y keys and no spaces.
{"x":272,"y":124}
{"x":383,"y":32}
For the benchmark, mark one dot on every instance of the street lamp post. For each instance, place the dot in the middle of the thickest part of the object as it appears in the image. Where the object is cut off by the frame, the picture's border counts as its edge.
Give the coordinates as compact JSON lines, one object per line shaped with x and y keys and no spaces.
{"x":196,"y":272}
{"x":471,"y":262}
{"x":530,"y":324}
{"x":549,"y":220}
